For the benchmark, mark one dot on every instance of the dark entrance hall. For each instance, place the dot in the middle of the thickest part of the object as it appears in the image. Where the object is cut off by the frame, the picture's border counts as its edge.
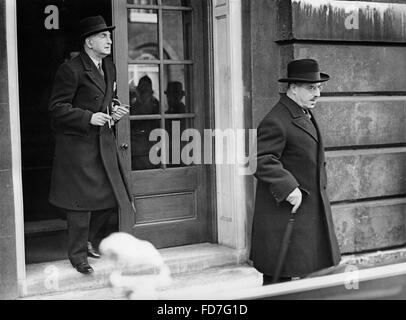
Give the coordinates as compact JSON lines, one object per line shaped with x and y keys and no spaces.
{"x":41,"y":50}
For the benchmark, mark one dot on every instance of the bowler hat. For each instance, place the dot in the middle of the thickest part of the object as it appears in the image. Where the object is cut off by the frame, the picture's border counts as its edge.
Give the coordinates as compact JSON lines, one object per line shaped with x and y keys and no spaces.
{"x":93,"y":25}
{"x":174,"y":86}
{"x":145,"y":84}
{"x":305,"y":70}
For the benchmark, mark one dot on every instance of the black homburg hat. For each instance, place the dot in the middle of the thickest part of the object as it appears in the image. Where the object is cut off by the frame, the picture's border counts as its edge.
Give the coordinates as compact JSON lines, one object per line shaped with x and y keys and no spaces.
{"x":305,"y":70}
{"x":93,"y":25}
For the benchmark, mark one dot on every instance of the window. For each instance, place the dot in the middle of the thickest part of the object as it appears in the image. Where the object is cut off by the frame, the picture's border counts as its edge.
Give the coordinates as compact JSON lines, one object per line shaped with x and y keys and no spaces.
{"x":160,"y":73}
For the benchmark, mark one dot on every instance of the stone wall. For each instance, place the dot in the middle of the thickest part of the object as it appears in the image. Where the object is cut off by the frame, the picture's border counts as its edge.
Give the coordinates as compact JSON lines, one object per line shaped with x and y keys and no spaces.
{"x":261,"y":65}
{"x":362,"y":113}
{"x":8,"y":259}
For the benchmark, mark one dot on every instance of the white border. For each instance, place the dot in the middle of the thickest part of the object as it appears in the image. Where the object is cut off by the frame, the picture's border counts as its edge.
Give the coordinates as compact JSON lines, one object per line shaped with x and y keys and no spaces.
{"x":14,"y":107}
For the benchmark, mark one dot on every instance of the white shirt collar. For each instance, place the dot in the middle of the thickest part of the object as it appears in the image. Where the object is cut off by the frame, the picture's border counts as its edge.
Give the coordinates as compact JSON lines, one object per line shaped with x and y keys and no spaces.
{"x":96,"y":62}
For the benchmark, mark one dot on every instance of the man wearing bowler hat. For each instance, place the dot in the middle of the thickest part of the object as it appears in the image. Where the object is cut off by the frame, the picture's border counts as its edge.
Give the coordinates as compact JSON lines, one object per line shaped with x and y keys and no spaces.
{"x":174,"y":94}
{"x":292,"y":178}
{"x":88,"y":180}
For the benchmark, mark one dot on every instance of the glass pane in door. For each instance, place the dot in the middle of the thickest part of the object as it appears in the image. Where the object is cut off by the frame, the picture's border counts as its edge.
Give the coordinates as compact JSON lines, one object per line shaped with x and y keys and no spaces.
{"x":143,"y":35}
{"x":184,"y":143}
{"x":142,"y":2}
{"x":141,"y":144}
{"x":177,"y":33}
{"x":173,"y":2}
{"x":178,"y":86}
{"x":144,"y":102}
{"x":160,"y":79}
{"x":144,"y":89}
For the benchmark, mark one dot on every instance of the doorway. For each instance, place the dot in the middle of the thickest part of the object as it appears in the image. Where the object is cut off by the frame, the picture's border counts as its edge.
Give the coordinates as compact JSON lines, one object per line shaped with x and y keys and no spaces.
{"x":175,"y":201}
{"x":42,"y":48}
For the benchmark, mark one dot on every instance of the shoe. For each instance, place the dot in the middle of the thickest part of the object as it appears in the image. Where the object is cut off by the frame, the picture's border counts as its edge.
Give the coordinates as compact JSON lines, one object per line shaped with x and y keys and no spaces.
{"x":84,"y":268}
{"x":91,"y":251}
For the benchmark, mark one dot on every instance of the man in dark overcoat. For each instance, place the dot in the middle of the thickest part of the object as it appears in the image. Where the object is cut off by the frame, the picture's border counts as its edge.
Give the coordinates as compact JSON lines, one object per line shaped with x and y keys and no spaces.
{"x":88,"y":181}
{"x":292,"y":177}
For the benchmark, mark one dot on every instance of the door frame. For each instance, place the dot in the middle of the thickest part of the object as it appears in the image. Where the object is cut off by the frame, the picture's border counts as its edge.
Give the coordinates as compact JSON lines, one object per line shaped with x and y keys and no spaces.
{"x":232,"y":189}
{"x":16,"y":148}
{"x":229,"y":228}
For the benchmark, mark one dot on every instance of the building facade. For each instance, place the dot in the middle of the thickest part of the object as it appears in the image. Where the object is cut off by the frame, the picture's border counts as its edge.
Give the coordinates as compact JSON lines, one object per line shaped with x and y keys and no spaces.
{"x":207,"y":65}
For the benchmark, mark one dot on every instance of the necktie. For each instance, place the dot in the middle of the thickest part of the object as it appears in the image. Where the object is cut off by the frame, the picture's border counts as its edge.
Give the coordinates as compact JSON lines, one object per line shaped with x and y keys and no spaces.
{"x":99,"y":67}
{"x":307,"y":113}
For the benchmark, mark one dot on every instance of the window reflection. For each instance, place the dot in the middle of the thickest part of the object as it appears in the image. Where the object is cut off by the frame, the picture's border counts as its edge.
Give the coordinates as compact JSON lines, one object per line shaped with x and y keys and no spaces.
{"x":142,"y":99}
{"x":173,"y":2}
{"x":143,"y":35}
{"x":142,"y":2}
{"x":143,"y":102}
{"x":151,"y":78}
{"x":174,"y":97}
{"x":144,"y":87}
{"x":177,"y":33}
{"x":140,"y":144}
{"x":177,"y":93}
{"x":176,"y":128}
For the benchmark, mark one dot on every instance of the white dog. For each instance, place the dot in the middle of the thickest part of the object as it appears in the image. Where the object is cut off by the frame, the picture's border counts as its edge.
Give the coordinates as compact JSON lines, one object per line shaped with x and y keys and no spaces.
{"x":129,"y":252}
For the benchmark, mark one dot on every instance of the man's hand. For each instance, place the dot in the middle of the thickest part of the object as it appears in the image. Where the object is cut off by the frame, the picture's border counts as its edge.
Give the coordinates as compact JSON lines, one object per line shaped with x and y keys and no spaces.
{"x":99,"y":119}
{"x":295,"y":199}
{"x":119,"y":113}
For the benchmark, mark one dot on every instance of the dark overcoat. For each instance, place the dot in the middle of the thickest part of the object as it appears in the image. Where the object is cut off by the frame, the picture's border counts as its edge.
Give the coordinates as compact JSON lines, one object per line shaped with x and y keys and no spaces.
{"x":290,"y":154}
{"x":87,"y":172}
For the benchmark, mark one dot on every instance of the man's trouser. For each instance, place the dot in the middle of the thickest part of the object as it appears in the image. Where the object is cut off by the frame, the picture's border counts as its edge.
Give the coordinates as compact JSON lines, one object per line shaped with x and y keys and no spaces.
{"x":84,"y":226}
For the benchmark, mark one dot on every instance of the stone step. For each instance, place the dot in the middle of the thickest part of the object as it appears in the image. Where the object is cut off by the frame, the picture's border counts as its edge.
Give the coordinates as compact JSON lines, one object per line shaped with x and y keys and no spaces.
{"x":236,"y":277}
{"x":195,"y":269}
{"x":60,"y":276}
{"x":34,"y":227}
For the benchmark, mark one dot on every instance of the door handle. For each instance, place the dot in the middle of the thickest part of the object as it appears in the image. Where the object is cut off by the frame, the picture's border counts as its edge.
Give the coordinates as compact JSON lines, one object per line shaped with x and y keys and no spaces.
{"x":124,"y":146}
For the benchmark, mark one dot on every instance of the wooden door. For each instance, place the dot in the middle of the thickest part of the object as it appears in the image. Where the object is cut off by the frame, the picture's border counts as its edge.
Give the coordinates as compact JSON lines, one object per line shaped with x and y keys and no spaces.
{"x":159,"y":53}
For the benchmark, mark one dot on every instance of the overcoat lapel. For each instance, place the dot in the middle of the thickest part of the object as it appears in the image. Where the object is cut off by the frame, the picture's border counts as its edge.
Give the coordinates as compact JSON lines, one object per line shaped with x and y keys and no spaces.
{"x":299,"y":118}
{"x":305,"y":124}
{"x":321,"y":144}
{"x":92,"y":72}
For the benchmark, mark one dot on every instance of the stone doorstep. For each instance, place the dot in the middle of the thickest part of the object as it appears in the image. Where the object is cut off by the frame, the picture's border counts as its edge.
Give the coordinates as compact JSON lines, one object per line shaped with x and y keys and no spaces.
{"x":205,"y":266}
{"x":183,"y":286}
{"x":60,"y":276}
